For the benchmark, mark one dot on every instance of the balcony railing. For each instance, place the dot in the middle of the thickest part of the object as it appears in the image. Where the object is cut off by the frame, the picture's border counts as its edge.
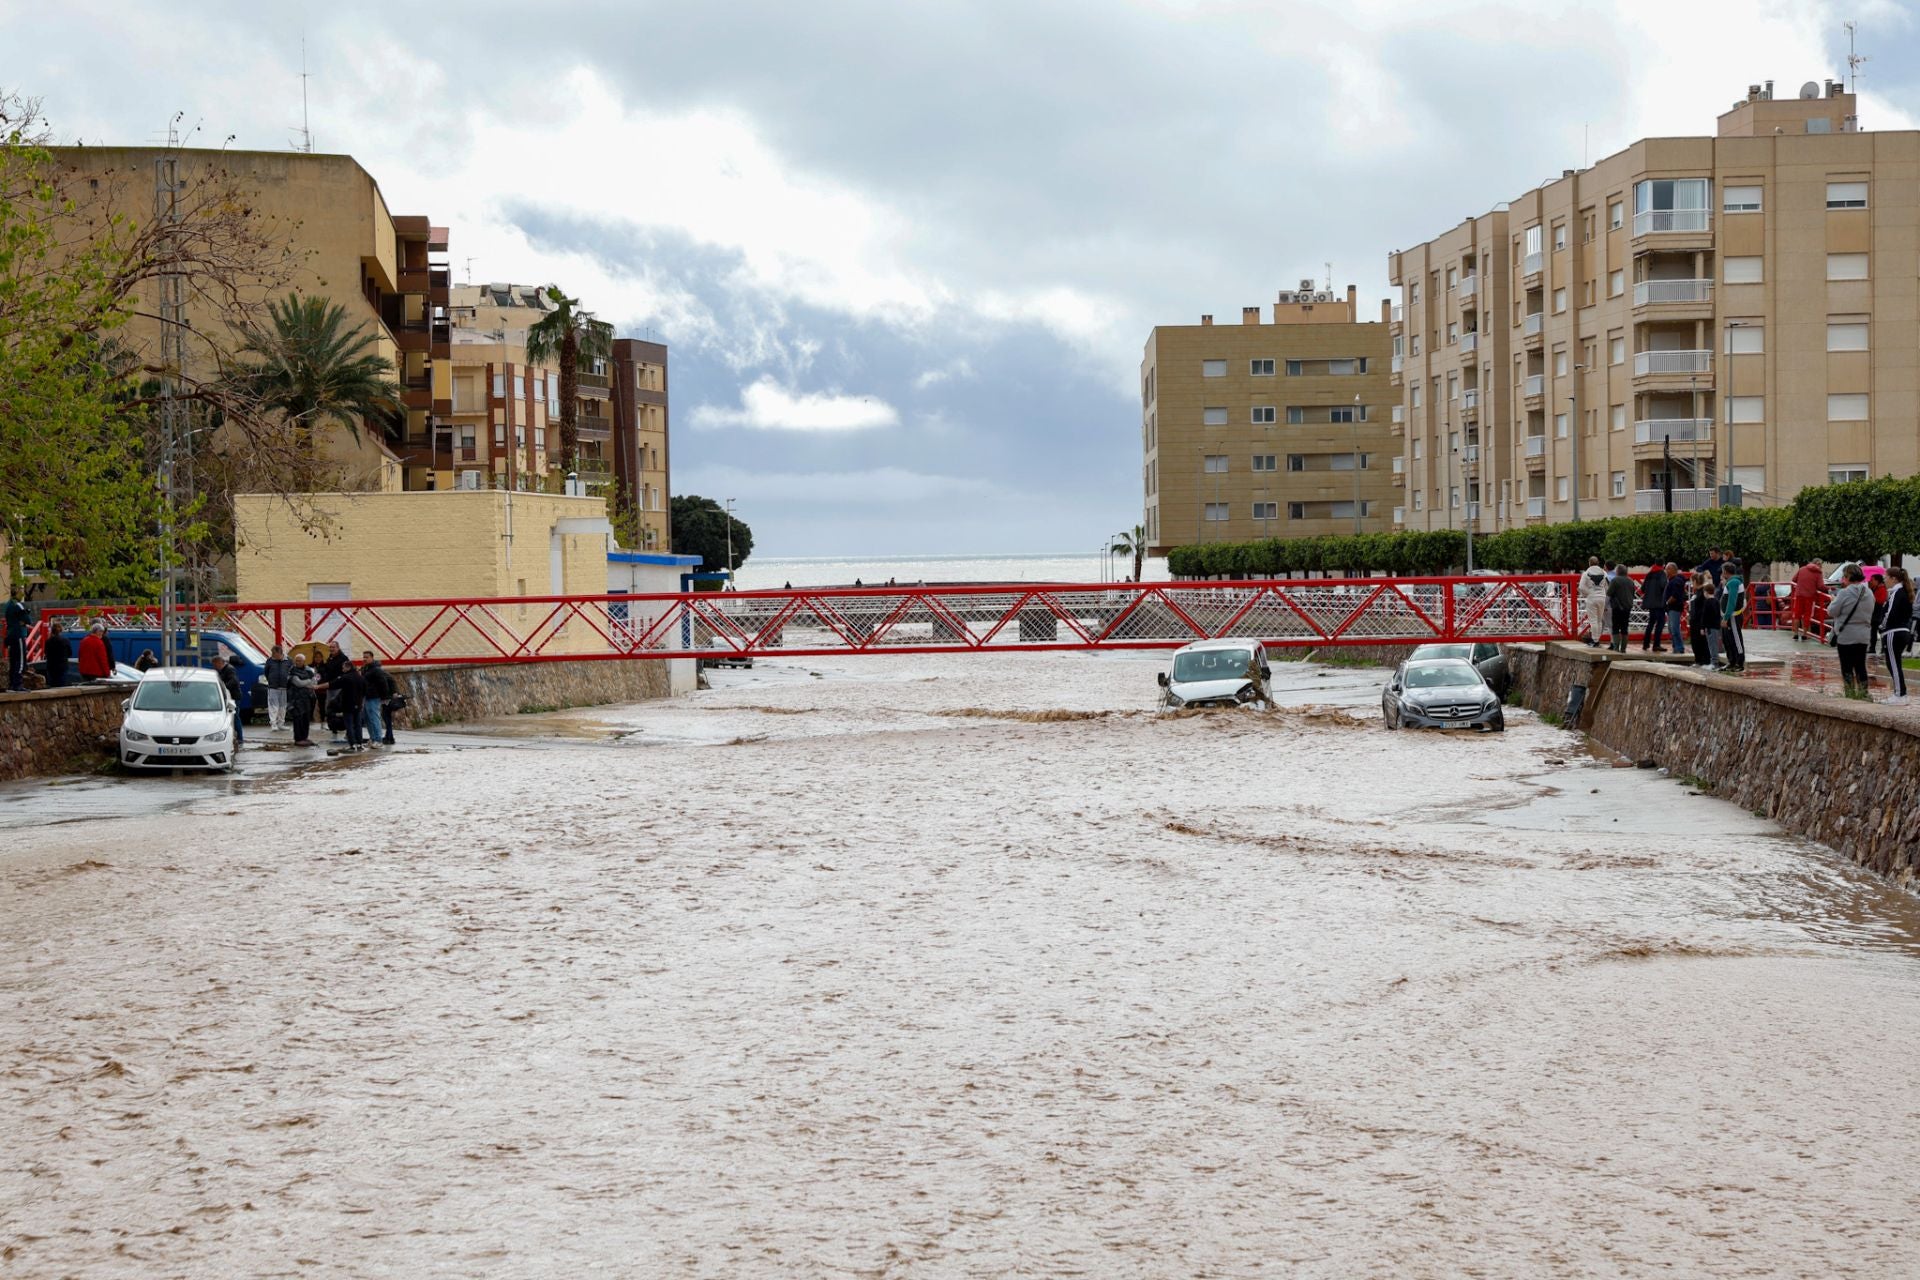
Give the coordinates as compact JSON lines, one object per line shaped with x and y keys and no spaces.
{"x":1656,"y":221}
{"x":1530,"y":327}
{"x":1530,"y":265}
{"x":1645,"y":500}
{"x":1469,"y":341}
{"x":1399,"y":515}
{"x":1536,"y":508}
{"x":1536,"y":446}
{"x":593,"y":427}
{"x":1399,"y":464}
{"x":1399,"y":363}
{"x":1674,"y":430}
{"x":1399,"y":413}
{"x":1466,"y":288}
{"x":1472,"y":454}
{"x":595,"y":381}
{"x":1650,"y":292}
{"x":1470,"y":398}
{"x":1535,"y":385}
{"x":1399,"y":313}
{"x":1648,"y":362}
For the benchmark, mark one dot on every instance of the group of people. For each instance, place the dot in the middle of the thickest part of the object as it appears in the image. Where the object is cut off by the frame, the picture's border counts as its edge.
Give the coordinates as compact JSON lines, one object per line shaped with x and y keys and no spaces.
{"x":1869,"y":613}
{"x":356,"y":701}
{"x":95,"y":657}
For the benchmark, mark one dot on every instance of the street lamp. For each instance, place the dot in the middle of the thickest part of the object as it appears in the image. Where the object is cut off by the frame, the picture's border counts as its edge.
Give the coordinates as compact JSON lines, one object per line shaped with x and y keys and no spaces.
{"x":1573,"y":433}
{"x":1719,"y":486}
{"x":1354,"y":433}
{"x":730,"y":544}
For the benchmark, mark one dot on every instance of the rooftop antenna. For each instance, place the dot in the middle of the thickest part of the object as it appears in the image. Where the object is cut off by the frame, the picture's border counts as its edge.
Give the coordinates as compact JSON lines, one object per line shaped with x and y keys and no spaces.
{"x":306,"y":132}
{"x":1853,"y":59}
{"x":469,"y":279}
{"x":1329,"y":267}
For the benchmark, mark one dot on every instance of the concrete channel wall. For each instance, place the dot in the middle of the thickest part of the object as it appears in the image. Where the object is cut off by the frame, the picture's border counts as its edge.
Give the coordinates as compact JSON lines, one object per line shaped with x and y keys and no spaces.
{"x":1823,"y":767}
{"x":57,"y":731}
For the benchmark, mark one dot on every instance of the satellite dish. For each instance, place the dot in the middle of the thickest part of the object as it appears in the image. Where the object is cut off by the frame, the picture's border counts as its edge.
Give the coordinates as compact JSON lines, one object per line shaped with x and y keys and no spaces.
{"x":1811,"y":89}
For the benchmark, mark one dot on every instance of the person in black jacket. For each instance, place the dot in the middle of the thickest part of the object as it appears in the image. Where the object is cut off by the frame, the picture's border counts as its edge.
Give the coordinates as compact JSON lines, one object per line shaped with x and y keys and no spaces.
{"x":1896,"y":631}
{"x":1703,"y":623}
{"x":351,"y":687}
{"x":1653,"y":594}
{"x":231,"y":679}
{"x":1621,"y":594}
{"x":1676,"y":607}
{"x":302,"y":682}
{"x":331,"y":669}
{"x":58,"y":654}
{"x":379,"y":693}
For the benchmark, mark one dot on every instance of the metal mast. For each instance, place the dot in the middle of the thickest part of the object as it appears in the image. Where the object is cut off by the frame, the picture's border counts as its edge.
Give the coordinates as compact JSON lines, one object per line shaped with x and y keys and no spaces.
{"x":172,"y":311}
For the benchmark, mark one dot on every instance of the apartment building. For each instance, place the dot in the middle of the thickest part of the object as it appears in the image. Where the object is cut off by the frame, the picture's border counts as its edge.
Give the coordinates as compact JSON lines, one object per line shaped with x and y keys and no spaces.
{"x":388,"y":270}
{"x":503,"y":428}
{"x":1267,"y":428}
{"x":1690,"y":321}
{"x":642,"y":461}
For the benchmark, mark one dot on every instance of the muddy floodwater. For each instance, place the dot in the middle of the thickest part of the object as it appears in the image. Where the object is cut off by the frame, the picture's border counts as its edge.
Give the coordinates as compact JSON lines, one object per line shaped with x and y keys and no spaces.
{"x":928,"y":967}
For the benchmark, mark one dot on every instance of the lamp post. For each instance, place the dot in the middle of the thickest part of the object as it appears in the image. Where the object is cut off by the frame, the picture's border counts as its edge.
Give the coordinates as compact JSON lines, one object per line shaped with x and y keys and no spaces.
{"x":1573,"y":433}
{"x":730,"y":544}
{"x":1718,"y":486}
{"x":1693,"y":390}
{"x":1354,"y":436}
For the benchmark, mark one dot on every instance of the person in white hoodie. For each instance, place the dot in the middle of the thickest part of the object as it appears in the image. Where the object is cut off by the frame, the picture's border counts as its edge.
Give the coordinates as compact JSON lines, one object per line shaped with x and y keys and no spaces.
{"x":1593,"y":598}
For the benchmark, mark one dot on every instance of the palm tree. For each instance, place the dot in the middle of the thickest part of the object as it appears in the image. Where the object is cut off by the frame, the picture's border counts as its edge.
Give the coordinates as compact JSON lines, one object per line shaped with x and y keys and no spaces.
{"x":315,"y":365}
{"x":568,"y":335}
{"x":1132,"y":544}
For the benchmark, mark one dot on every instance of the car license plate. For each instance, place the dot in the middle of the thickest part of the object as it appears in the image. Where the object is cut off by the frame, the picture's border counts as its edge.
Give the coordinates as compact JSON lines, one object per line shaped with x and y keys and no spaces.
{"x":1457,"y":724}
{"x":178,"y":751}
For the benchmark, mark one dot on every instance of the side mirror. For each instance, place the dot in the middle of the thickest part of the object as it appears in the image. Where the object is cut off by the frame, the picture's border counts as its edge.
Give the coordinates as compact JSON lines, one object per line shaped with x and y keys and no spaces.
{"x":126,"y":704}
{"x":1266,"y":672}
{"x":1163,"y":679}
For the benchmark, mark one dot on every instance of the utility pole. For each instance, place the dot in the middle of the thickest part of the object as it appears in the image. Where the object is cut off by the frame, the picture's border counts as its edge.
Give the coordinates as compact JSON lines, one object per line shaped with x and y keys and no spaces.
{"x":1573,"y":433}
{"x":1354,"y":430}
{"x":172,"y":312}
{"x":730,"y":544}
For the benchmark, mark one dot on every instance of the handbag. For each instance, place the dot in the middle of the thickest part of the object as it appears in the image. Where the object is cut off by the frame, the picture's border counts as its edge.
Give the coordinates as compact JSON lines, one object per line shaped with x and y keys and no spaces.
{"x":398,"y":702}
{"x":1833,"y":630}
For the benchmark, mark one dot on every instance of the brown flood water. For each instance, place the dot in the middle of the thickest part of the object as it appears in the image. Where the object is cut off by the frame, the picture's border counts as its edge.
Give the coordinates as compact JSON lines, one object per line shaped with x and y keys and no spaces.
{"x":855,"y":989}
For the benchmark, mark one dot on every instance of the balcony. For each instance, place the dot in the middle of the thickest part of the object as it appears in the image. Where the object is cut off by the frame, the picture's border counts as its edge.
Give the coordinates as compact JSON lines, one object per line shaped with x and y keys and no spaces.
{"x":1470,"y":404}
{"x":593,"y":385}
{"x":1650,"y":500}
{"x":1471,"y":455}
{"x":1530,"y":335}
{"x":1656,"y":222}
{"x":1651,"y":363}
{"x":1535,"y":386}
{"x":1399,"y":415}
{"x":1398,"y":317}
{"x":1531,"y":264}
{"x":1399,"y":515}
{"x":1536,"y":453}
{"x":1399,"y":363}
{"x":1536,"y":508}
{"x":589,"y":426}
{"x":1655,"y":293}
{"x":1466,"y":289}
{"x":1469,"y":342}
{"x":1657,"y":431}
{"x":1399,"y":470}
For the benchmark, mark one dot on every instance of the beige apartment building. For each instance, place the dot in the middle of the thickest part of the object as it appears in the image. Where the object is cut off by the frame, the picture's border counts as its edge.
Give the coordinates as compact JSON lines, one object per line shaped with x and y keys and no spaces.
{"x":1267,"y":428}
{"x":1691,"y":320}
{"x":642,"y":459}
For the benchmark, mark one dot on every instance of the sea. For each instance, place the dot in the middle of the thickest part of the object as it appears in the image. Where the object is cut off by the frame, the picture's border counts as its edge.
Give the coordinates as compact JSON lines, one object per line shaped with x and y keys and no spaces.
{"x":759,"y":574}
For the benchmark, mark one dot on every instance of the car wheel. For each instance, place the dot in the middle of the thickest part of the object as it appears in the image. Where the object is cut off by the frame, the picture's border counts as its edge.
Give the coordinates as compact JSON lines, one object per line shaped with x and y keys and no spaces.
{"x":1497,"y":725}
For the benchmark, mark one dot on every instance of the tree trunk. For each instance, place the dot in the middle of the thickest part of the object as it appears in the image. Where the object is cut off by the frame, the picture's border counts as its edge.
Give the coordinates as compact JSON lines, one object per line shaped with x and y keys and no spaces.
{"x":569,"y":410}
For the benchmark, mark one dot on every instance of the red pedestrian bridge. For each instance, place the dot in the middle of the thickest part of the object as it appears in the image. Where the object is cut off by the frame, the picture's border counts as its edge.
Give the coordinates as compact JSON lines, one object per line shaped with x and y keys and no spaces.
{"x":835,"y":621}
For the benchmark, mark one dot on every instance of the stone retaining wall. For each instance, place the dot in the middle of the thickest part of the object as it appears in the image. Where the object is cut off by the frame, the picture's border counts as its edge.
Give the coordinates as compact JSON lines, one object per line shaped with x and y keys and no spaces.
{"x":444,"y":695}
{"x":55,"y":731}
{"x":1827,"y":768}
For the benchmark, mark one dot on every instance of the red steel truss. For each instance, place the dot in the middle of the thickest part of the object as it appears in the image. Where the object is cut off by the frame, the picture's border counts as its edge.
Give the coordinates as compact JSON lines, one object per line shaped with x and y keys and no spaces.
{"x":818,"y":622}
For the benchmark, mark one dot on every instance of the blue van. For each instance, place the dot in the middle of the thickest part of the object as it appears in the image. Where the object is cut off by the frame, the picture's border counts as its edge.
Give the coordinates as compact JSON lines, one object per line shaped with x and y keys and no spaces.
{"x":249,"y":664}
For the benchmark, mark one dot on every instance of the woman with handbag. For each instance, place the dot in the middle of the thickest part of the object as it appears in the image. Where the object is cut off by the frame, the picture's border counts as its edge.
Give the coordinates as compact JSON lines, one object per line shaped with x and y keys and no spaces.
{"x":1850,"y":629}
{"x":1896,"y":631}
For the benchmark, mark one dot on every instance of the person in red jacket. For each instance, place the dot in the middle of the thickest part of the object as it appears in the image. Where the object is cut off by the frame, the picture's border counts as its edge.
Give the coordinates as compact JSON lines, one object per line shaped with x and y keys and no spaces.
{"x":1807,"y":582}
{"x":96,"y":659}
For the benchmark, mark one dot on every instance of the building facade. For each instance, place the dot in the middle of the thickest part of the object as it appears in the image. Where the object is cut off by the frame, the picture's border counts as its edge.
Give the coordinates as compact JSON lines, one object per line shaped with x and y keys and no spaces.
{"x":642,"y":458}
{"x":1686,"y":322}
{"x":1267,"y":429}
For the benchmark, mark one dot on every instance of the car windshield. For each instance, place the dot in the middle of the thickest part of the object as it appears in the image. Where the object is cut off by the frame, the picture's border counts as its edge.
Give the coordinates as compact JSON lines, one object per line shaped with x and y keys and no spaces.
{"x":177,"y":695}
{"x":1441,"y":677}
{"x":1442,"y":651}
{"x":1212,"y":664}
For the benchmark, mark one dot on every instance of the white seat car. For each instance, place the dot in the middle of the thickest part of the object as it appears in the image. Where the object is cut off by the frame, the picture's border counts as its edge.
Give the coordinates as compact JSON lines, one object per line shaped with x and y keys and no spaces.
{"x":178,"y":718}
{"x":1218,"y":673}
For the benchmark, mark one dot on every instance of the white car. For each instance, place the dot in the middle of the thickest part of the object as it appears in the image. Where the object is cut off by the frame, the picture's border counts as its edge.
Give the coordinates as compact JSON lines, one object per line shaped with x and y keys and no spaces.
{"x":178,"y":718}
{"x":1218,"y":673}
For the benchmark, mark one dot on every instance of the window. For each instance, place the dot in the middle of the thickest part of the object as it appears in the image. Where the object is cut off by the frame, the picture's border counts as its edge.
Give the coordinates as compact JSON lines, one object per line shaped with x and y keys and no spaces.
{"x":1260,"y":368}
{"x":1419,"y":500}
{"x":1560,"y":489}
{"x":1266,"y":511}
{"x":1670,"y":204}
{"x":1344,"y":510}
{"x":1296,"y":414}
{"x":1419,"y":449}
{"x":1263,"y":415}
{"x":499,"y":433}
{"x":1216,"y":464}
{"x":1560,"y":363}
{"x":1617,"y":417}
{"x":1344,"y":413}
{"x":1846,"y":266}
{"x":1559,"y":236}
{"x":1559,"y":300}
{"x":1213,"y":368}
{"x":1296,"y":462}
{"x":1293,"y":366}
{"x":1616,"y":215}
{"x":1847,"y":408}
{"x":1453,"y":332}
{"x":1846,"y":195}
{"x":1819,"y":124}
{"x":1742,"y":270}
{"x":1453,"y":277}
{"x":1533,"y":240}
{"x":1745,"y":339}
{"x":1296,"y":511}
{"x":1560,"y":425}
{"x":1340,"y":462}
{"x":1616,"y":351}
{"x":1415,"y":299}
{"x":1216,"y":511}
{"x":1740,"y":199}
{"x":1750,"y":479}
{"x":1746,"y":408}
{"x":1264,"y":462}
{"x":1845,"y":475}
{"x":499,"y":386}
{"x":1415,"y":388}
{"x":1215,"y":417}
{"x":1415,"y":350}
{"x":1347,"y":368}
{"x":1847,"y":335}
{"x":1616,"y":284}
{"x":1619,"y":484}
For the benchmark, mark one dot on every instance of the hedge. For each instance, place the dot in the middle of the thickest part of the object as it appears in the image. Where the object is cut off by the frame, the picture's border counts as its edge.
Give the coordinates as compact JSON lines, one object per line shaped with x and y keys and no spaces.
{"x":1859,"y":520}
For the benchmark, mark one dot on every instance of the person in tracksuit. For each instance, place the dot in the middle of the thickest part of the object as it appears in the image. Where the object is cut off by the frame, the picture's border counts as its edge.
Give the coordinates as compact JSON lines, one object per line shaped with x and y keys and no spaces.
{"x":1733,"y":615}
{"x":1896,"y":632}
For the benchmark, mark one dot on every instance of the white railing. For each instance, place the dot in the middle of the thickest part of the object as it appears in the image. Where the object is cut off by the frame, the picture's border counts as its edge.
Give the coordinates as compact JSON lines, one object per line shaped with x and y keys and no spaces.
{"x":1536,"y":447}
{"x":1535,"y":385}
{"x":1472,"y":454}
{"x":1471,"y":400}
{"x":1399,"y":515}
{"x":1649,"y":292}
{"x":1399,"y":414}
{"x":1645,"y":362}
{"x":1530,"y":265}
{"x":1399,"y":313}
{"x":1469,"y":342}
{"x":1645,"y":500}
{"x":1467,"y":286}
{"x":1530,"y":327}
{"x":1676,"y":430}
{"x":1399,"y":464}
{"x":1657,"y":220}
{"x":1473,"y":512}
{"x":1536,"y":508}
{"x":1399,"y":363}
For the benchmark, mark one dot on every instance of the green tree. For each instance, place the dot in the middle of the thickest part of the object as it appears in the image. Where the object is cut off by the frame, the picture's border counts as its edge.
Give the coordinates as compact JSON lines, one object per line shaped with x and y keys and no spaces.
{"x":313,"y":364}
{"x":566,"y":336}
{"x":1133,"y":543}
{"x":700,"y":529}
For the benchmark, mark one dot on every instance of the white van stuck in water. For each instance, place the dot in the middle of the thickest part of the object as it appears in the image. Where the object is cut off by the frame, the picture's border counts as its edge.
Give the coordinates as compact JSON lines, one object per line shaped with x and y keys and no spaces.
{"x":1218,"y":673}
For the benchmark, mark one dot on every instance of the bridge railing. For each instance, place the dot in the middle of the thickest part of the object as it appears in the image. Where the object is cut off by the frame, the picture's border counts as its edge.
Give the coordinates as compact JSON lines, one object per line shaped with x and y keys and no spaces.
{"x":810,"y":622}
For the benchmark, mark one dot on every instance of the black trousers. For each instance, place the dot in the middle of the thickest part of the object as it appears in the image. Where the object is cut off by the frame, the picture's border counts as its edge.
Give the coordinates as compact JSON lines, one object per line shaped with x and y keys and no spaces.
{"x":1853,"y":665}
{"x":1656,"y":626}
{"x":1734,"y":645}
{"x":356,"y":722}
{"x":16,"y":665}
{"x":1897,"y":642}
{"x":1702,"y":651}
{"x":302,"y":720}
{"x":1622,"y":623}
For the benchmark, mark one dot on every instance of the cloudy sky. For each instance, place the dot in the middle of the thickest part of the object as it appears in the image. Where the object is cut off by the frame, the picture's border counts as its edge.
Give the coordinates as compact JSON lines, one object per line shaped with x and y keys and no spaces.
{"x":906,"y":254}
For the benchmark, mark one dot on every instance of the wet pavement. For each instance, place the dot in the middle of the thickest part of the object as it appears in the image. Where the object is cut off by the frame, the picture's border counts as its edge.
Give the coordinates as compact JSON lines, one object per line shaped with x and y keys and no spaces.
{"x":948,"y":967}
